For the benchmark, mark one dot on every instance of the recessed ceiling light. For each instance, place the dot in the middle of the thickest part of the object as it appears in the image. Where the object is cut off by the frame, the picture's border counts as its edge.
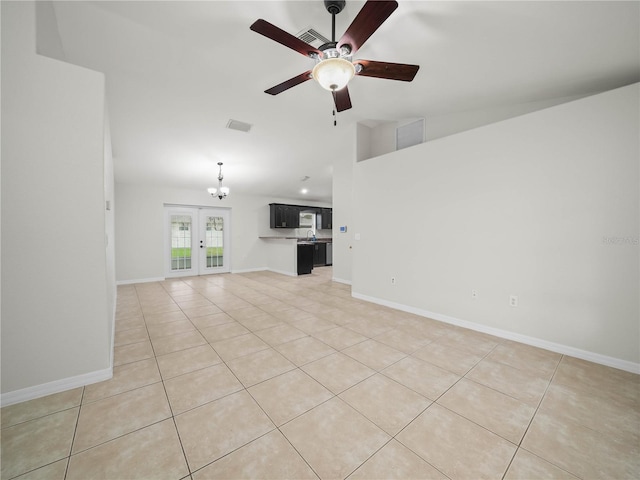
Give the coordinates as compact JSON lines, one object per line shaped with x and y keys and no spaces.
{"x":304,"y":191}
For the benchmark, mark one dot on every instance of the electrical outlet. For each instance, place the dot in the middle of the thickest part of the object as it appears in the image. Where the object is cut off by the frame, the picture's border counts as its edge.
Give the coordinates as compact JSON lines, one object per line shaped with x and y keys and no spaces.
{"x":513,"y":301}
{"x":393,"y":280}
{"x":474,"y":294}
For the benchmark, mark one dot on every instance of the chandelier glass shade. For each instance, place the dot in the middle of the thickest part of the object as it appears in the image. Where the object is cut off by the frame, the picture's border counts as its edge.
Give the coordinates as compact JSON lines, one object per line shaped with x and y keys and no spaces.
{"x":333,"y":73}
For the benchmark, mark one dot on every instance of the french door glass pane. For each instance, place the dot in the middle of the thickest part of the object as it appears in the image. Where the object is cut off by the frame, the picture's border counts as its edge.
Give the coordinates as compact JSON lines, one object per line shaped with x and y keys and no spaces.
{"x":214,"y":243}
{"x":181,"y":242}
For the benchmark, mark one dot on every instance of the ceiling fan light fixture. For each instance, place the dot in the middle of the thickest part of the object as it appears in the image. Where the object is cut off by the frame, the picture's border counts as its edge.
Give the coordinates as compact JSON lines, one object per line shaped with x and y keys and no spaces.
{"x":334,"y":63}
{"x":333,"y":73}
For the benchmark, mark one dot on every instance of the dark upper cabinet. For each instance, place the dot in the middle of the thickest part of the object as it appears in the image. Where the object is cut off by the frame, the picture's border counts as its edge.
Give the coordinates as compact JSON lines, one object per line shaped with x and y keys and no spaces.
{"x":293,"y":216}
{"x":327,"y":219}
{"x":288,"y":216}
{"x":284,"y":216}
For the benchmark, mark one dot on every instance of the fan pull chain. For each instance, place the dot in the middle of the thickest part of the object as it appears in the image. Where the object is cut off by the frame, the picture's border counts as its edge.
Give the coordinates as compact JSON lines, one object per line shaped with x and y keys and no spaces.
{"x":335,"y":120}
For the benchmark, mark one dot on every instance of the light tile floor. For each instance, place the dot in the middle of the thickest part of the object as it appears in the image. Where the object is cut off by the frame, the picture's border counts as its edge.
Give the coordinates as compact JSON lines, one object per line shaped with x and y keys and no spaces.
{"x":266,"y":376}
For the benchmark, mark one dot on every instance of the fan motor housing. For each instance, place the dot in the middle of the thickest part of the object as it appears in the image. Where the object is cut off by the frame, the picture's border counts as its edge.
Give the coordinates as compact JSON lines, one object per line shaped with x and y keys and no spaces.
{"x":334,"y":6}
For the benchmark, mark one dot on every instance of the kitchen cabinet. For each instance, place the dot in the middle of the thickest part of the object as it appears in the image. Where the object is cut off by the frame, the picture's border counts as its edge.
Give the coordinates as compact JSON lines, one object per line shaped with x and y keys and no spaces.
{"x":293,"y":216}
{"x":305,"y":258}
{"x":327,"y":219}
{"x":319,"y":254}
{"x":284,"y":216}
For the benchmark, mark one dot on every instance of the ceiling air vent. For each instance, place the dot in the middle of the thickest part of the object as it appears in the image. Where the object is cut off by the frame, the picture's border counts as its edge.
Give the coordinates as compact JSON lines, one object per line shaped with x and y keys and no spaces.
{"x":312,"y":37}
{"x":238,"y":125}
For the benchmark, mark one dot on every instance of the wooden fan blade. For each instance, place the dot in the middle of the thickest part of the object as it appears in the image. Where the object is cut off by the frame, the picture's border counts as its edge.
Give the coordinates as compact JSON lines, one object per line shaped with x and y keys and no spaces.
{"x":342,"y":99}
{"x":292,"y":82}
{"x":392,"y":71}
{"x":368,"y":20}
{"x":278,"y":35}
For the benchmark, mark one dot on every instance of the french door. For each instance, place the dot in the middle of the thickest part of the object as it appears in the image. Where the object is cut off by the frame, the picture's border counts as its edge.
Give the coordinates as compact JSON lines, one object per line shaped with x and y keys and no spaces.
{"x":197,"y":241}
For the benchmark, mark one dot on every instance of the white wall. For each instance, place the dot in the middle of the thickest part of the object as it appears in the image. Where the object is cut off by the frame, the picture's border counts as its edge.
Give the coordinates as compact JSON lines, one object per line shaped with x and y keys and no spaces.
{"x":140,"y":227}
{"x":527,"y":207}
{"x":343,"y":202}
{"x":55,"y":308}
{"x":282,"y":255}
{"x":438,"y":126}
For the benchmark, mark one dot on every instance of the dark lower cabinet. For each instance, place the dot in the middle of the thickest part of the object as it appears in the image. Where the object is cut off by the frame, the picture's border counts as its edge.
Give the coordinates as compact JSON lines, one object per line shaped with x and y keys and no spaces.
{"x":305,"y":258}
{"x":319,"y":254}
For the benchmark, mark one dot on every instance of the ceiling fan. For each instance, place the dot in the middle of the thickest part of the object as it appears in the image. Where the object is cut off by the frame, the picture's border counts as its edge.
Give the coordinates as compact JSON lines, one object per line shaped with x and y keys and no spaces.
{"x":334,"y":65}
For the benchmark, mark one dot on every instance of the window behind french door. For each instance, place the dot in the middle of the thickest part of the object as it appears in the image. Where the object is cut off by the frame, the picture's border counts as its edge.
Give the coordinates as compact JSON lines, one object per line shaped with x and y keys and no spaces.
{"x":197,"y":241}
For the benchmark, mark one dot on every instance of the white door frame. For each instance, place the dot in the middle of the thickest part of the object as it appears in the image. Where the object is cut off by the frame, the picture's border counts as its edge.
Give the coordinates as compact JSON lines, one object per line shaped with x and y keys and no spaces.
{"x":197,"y":262}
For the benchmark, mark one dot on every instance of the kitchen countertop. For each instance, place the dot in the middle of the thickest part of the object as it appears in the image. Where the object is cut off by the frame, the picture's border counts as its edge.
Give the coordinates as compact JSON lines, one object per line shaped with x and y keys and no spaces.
{"x":299,"y":239}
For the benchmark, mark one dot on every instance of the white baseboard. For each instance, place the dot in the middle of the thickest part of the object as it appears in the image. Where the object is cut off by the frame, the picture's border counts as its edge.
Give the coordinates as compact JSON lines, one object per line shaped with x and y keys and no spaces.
{"x":340,"y":280}
{"x":113,"y":331}
{"x":282,"y":272}
{"x":57,"y":386}
{"x":533,"y":341}
{"x":250,"y":270}
{"x":140,"y":280}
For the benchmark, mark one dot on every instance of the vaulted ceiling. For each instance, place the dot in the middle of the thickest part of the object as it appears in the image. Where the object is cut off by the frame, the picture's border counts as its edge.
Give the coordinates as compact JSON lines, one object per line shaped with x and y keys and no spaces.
{"x":177,"y":72}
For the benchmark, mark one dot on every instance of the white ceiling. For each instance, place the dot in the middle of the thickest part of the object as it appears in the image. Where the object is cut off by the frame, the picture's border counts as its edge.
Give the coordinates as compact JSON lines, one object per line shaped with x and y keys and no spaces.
{"x":176,"y":72}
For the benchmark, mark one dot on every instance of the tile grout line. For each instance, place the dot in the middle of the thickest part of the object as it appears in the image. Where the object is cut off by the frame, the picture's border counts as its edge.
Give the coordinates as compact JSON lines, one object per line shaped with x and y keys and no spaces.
{"x":110,"y":396}
{"x":541,"y":400}
{"x":173,"y":417}
{"x":434,"y":402}
{"x":75,"y":431}
{"x":243,"y":290}
{"x":164,"y":387}
{"x":277,"y":427}
{"x":246,"y":389}
{"x":519,"y":446}
{"x":334,"y":395}
{"x":155,"y":358}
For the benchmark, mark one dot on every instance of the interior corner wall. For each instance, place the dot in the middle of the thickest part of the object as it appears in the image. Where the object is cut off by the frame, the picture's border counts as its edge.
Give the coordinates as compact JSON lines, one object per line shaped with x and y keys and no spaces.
{"x":544,"y":206}
{"x":54,"y":266}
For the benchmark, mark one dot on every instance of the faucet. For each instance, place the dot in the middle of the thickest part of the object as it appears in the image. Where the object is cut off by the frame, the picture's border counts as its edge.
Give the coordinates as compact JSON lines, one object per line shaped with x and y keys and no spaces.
{"x":313,"y":235}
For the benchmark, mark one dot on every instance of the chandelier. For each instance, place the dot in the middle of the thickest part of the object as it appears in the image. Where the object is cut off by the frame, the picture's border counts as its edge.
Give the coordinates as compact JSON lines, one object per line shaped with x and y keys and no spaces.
{"x":221,"y":191}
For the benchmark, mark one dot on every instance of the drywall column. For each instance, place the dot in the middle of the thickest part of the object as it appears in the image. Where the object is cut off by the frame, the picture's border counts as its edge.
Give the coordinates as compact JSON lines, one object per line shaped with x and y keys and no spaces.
{"x":55,"y":305}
